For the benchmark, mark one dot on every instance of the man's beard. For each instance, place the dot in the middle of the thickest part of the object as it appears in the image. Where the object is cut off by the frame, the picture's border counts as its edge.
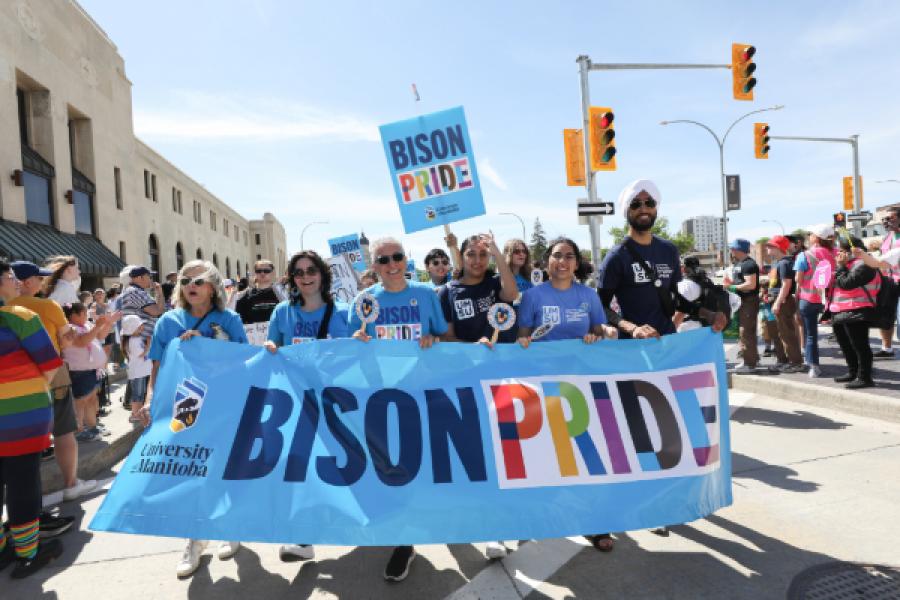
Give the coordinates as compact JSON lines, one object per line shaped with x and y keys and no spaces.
{"x":635,"y":225}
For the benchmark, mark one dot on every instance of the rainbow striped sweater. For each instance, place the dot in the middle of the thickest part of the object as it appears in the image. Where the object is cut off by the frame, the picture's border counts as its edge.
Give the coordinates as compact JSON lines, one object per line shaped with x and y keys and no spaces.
{"x":26,"y":353}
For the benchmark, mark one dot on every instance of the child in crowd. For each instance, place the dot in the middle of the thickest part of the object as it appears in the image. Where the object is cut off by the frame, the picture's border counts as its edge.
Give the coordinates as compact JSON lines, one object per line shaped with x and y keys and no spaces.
{"x":136,"y":348}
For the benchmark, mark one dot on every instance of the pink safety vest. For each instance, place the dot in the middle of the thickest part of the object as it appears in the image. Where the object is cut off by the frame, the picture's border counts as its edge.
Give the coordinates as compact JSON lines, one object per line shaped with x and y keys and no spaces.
{"x":805,"y":288}
{"x":855,"y":299}
{"x":888,"y":244}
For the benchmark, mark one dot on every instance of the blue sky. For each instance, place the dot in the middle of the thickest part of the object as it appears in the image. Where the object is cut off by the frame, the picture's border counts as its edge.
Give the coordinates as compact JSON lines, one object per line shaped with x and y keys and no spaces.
{"x":274,"y":105}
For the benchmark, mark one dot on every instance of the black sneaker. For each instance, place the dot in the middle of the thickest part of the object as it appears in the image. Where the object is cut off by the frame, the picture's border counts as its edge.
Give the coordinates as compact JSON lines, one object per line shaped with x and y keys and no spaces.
{"x":8,"y":555}
{"x":48,"y":453}
{"x":883,"y":354}
{"x":768,"y":352}
{"x":53,"y":526}
{"x":859,"y":384}
{"x":398,"y":567}
{"x":47,"y":551}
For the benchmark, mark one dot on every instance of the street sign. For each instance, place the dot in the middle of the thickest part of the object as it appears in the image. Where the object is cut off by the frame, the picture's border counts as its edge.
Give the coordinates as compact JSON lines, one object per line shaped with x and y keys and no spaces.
{"x":863,"y":216}
{"x":586,"y":209}
{"x":733,"y":191}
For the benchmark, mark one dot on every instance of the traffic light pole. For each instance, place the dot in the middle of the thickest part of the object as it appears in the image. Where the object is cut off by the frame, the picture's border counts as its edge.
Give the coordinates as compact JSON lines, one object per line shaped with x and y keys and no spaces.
{"x":853,"y":140}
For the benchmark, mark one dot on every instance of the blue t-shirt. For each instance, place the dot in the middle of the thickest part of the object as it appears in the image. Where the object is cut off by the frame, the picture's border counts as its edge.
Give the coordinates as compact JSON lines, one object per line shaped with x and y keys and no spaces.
{"x":404,"y":315}
{"x":290,"y":324}
{"x":801,"y":264}
{"x":623,"y":276}
{"x":523,"y":283}
{"x":178,"y":320}
{"x":572,"y":312}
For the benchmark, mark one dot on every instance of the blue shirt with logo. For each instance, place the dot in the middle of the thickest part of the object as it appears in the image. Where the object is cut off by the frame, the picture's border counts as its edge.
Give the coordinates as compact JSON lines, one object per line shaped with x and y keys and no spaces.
{"x":572,"y":312}
{"x":405,"y":315}
{"x":290,"y":324}
{"x":178,"y":320}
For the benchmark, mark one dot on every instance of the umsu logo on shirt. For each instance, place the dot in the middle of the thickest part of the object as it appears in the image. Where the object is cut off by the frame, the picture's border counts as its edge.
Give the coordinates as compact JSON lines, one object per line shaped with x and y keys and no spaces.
{"x":663,"y":271}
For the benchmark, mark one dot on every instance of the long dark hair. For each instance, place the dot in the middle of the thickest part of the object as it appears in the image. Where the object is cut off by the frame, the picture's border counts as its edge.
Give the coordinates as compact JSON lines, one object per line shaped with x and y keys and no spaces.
{"x":508,"y":247}
{"x":582,"y":269}
{"x":469,"y":241}
{"x":324,"y":270}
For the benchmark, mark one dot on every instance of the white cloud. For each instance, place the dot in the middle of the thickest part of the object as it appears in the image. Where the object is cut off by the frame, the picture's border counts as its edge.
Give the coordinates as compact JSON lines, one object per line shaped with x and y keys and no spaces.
{"x":487,"y":171}
{"x":203,"y":116}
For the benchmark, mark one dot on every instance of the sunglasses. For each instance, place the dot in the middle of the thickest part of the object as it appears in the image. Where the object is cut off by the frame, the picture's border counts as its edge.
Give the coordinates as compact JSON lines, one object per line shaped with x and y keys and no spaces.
{"x":396,"y":257}
{"x":561,"y":256}
{"x":186,"y":281}
{"x":520,"y":251}
{"x":308,"y":271}
{"x":636,"y":204}
{"x":437,"y":262}
{"x":264,"y":271}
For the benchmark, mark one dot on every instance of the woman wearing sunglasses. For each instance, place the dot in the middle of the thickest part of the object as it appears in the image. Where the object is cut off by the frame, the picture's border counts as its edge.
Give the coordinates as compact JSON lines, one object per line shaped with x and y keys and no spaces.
{"x":408,"y":310}
{"x":519,"y":261}
{"x":572,"y":310}
{"x":255,"y":304}
{"x":199,"y":299}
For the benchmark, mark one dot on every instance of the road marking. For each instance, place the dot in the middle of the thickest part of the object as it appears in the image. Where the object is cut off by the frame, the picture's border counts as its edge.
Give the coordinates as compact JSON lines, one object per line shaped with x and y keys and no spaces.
{"x":522,"y":572}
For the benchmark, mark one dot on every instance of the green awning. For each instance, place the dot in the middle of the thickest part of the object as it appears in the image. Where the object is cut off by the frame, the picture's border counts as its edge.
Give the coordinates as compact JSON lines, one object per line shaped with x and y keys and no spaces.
{"x":36,"y":243}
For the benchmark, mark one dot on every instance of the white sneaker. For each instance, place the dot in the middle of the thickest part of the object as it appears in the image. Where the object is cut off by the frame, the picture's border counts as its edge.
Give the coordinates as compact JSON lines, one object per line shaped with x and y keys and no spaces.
{"x":296,"y":552}
{"x":79,"y":489}
{"x":190,"y":560}
{"x":228,"y":549}
{"x":814,"y":371}
{"x":495,"y":550}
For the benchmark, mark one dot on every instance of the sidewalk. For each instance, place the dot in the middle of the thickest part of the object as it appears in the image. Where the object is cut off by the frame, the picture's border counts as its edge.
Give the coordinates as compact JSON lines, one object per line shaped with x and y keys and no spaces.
{"x":881,"y":401}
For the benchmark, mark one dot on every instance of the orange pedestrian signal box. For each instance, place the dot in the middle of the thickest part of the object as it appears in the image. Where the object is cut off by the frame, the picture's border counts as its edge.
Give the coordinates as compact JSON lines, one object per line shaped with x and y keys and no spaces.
{"x":573,"y":140}
{"x":743,"y":71}
{"x":848,"y":193}
{"x":602,"y":139}
{"x":840,"y":220}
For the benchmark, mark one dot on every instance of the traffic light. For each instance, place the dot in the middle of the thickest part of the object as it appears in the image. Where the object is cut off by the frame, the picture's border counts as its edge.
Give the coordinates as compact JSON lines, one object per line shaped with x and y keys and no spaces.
{"x":742,"y":71}
{"x":761,"y":140}
{"x":840,"y":220}
{"x":603,"y":139}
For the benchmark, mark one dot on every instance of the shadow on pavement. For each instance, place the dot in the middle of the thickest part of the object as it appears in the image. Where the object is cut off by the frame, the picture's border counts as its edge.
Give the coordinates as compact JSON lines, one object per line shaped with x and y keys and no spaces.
{"x":800,"y":419}
{"x":757,"y":566}
{"x":746,"y":467}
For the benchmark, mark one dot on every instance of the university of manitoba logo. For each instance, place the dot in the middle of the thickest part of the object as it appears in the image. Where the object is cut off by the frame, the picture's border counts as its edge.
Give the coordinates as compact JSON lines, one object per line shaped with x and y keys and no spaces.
{"x":189,"y":397}
{"x":430,"y":213}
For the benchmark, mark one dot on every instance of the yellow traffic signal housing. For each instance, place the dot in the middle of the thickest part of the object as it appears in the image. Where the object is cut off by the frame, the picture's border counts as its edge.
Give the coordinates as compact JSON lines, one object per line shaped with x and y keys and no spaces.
{"x":848,"y":193}
{"x":840,"y":220}
{"x":573,"y":139}
{"x":602,"y":139}
{"x":742,"y":71}
{"x":761,"y":140}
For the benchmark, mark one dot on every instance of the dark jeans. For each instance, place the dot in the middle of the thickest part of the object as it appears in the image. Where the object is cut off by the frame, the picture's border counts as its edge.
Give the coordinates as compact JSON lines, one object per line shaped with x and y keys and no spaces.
{"x":854,"y":341}
{"x":21,"y":478}
{"x":747,"y":317}
{"x":810,"y":312}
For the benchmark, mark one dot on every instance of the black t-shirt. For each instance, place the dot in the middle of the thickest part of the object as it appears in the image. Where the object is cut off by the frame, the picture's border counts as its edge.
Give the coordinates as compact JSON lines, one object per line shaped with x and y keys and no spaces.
{"x":466,"y":307}
{"x":623,"y":277}
{"x":167,"y":289}
{"x":785,"y":269}
{"x":256,"y":305}
{"x":741,"y":270}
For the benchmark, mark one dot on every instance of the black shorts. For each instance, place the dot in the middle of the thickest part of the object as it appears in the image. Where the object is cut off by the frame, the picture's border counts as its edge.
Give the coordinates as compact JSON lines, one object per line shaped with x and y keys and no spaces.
{"x":64,"y":415}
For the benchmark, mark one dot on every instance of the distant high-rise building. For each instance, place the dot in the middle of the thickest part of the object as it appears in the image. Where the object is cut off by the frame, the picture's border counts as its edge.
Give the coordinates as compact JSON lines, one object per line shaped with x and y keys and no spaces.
{"x":706,"y":231}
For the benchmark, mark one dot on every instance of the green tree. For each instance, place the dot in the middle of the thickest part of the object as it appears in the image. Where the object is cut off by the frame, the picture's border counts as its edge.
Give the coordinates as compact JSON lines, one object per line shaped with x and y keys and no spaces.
{"x":538,"y":241}
{"x":682,"y":241}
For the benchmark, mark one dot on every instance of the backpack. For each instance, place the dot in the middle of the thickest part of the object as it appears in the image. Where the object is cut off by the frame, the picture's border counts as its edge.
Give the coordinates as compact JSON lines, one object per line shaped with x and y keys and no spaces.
{"x":885,"y":303}
{"x":713,"y":297}
{"x":823,"y":276}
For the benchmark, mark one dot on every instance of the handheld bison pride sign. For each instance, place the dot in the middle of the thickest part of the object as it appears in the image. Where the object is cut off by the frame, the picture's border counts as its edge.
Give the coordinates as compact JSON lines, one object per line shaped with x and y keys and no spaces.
{"x":433,"y":169}
{"x":382,"y":443}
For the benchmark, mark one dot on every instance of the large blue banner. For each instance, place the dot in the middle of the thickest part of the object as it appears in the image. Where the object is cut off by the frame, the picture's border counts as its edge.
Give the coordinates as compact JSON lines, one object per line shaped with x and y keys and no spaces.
{"x":433,"y":169}
{"x":381,"y":443}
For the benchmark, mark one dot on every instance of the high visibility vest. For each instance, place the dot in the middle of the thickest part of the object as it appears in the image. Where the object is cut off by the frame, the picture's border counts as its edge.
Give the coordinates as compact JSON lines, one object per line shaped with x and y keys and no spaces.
{"x":888,"y":244}
{"x":805,"y":288}
{"x":857,"y":298}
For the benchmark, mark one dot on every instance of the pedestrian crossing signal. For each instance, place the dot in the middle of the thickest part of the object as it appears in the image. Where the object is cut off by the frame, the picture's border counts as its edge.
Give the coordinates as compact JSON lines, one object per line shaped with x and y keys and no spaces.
{"x":603,"y":139}
{"x":743,"y":70}
{"x":761,"y":140}
{"x":840,"y":220}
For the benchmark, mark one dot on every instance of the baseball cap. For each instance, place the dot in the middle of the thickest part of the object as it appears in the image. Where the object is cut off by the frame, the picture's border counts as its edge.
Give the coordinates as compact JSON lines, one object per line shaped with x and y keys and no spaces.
{"x":228,"y":283}
{"x":131,"y":324}
{"x":822,"y":230}
{"x":740,"y":244}
{"x":140,"y":270}
{"x":24,"y":269}
{"x":781,"y":242}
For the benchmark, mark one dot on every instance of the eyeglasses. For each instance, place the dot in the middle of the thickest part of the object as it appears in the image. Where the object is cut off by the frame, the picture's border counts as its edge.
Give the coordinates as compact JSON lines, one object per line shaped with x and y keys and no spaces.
{"x":186,"y":281}
{"x":264,"y":271}
{"x":637,"y":203}
{"x":308,"y":271}
{"x":520,"y":251}
{"x":9,"y":277}
{"x":396,"y":257}
{"x":561,"y":256}
{"x":472,"y":254}
{"x":437,"y":262}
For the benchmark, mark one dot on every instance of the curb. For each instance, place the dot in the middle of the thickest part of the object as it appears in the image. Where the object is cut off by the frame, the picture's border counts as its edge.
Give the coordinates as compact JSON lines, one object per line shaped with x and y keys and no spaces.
{"x":858,"y":403}
{"x":90,"y":466}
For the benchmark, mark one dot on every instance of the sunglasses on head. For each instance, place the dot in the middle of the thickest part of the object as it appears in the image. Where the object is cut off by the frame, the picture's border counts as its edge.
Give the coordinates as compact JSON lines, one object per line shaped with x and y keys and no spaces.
{"x":440,"y":261}
{"x":263,"y":271}
{"x":396,"y":257}
{"x":186,"y":281}
{"x":308,"y":271}
{"x":637,"y":203}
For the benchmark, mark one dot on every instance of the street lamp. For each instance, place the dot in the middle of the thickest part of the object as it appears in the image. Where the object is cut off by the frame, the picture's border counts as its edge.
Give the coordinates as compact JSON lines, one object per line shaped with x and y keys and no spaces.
{"x":509,"y":214}
{"x":721,"y":144}
{"x":307,"y":226}
{"x":776,"y":222}
{"x":888,"y":181}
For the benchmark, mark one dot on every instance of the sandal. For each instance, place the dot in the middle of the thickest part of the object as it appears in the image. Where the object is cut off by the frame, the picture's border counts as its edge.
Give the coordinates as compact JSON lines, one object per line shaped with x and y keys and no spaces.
{"x":601,"y":541}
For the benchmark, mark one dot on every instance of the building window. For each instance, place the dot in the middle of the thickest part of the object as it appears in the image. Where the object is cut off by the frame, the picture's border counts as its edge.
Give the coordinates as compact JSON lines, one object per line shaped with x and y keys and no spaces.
{"x":237,"y":236}
{"x":245,"y":238}
{"x":83,"y":199}
{"x":122,"y":252}
{"x":153,"y":187}
{"x":179,"y":256}
{"x":153,"y":251}
{"x":237,"y":269}
{"x":225,"y":227}
{"x":23,"y":117}
{"x":198,"y":212}
{"x":257,"y":240}
{"x":117,"y":180}
{"x":259,"y":257}
{"x":174,"y":199}
{"x":180,"y":207}
{"x":199,"y":254}
{"x":37,"y":198}
{"x":146,"y":183}
{"x":215,"y":260}
{"x":227,"y":267}
{"x":212,"y":220}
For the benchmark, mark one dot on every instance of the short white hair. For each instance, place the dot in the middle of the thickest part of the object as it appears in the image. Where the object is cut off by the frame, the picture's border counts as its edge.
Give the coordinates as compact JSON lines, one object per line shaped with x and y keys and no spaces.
{"x":384,"y":241}
{"x":210,"y":274}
